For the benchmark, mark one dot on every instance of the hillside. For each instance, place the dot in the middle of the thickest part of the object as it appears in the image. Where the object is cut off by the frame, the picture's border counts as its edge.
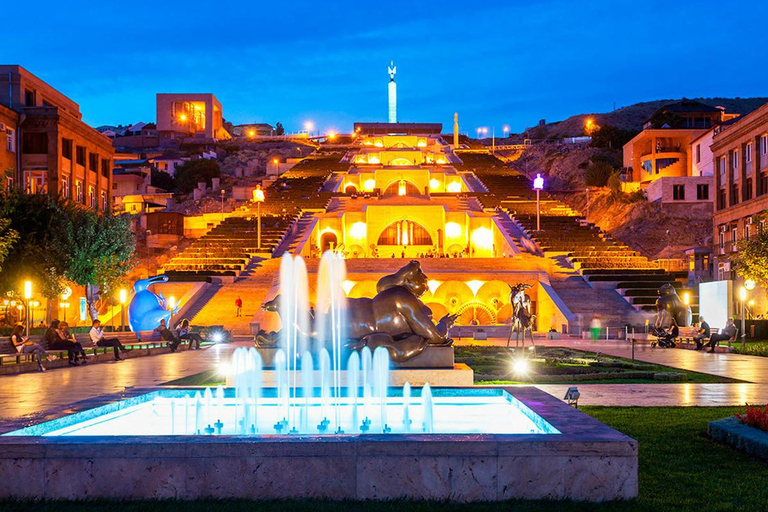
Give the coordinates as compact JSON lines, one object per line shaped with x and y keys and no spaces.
{"x":632,"y":117}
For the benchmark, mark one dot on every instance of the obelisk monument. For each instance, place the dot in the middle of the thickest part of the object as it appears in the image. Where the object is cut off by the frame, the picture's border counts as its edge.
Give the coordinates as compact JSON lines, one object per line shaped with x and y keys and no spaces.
{"x":455,"y":130}
{"x":392,"y":93}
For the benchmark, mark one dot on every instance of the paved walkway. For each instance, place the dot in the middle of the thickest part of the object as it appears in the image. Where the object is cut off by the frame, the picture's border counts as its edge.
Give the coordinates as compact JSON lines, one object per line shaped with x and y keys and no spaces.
{"x":28,"y":394}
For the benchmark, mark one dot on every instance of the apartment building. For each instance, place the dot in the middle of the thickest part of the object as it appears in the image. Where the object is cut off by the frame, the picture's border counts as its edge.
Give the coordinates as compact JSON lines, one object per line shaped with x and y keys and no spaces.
{"x":56,"y":153}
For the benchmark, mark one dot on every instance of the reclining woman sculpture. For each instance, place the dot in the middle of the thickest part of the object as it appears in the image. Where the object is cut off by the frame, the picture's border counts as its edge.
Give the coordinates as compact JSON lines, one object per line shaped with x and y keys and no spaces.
{"x":395,"y":318}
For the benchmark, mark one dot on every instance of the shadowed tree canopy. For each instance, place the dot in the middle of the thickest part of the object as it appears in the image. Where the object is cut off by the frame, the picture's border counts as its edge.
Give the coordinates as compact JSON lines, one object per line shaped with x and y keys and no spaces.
{"x":190,"y":173}
{"x":752,"y":258}
{"x":279,"y":130}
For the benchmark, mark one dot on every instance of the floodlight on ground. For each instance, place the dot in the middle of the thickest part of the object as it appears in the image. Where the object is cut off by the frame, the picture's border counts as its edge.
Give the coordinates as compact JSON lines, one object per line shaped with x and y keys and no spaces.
{"x":572,"y":396}
{"x":520,"y":366}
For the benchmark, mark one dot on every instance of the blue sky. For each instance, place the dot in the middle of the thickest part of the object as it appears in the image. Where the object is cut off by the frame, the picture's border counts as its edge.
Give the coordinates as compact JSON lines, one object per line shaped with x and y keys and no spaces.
{"x":494,"y":63}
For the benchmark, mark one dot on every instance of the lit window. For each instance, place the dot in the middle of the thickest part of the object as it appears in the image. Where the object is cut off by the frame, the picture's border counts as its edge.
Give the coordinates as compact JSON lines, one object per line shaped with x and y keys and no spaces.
{"x":748,"y":152}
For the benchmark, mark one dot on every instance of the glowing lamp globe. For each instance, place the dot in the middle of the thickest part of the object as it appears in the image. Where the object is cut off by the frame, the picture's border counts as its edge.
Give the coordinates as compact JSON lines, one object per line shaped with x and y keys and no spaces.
{"x":258,"y":195}
{"x":538,"y":182}
{"x":749,"y":284}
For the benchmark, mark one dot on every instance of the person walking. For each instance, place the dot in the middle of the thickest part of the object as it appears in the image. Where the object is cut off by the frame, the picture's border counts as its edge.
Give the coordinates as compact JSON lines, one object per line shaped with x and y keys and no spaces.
{"x":98,"y":338}
{"x":595,"y":326}
{"x":238,"y":307}
{"x":23,"y":345}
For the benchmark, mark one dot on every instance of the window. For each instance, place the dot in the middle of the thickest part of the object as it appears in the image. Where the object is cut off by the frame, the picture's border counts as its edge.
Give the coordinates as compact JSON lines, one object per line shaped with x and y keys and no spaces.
{"x":104,"y":205}
{"x":702,"y":192}
{"x":92,"y":197}
{"x":722,"y":167}
{"x":66,"y":148}
{"x":678,"y":192}
{"x":405,"y":232}
{"x":34,"y":143}
{"x":735,"y":194}
{"x":80,"y":155}
{"x":65,"y":186}
{"x":105,"y":168}
{"x":748,"y":152}
{"x":79,"y":191}
{"x":698,"y":153}
{"x":10,"y":140}
{"x":93,"y":162}
{"x":721,"y":199}
{"x":29,"y":98}
{"x":734,"y":236}
{"x":747,"y":189}
{"x":735,"y":159}
{"x":746,"y":232}
{"x":764,"y":144}
{"x":721,"y":240}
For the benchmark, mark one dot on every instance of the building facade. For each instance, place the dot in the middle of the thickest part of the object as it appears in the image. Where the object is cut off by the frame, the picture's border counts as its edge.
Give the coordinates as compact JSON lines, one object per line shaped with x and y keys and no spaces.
{"x":186,"y":117}
{"x":740,"y":160}
{"x":56,"y":152}
{"x":9,"y":121}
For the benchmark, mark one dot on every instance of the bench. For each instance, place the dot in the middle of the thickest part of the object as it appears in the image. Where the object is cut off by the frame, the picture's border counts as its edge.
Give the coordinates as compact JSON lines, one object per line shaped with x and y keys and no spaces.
{"x":685,"y":340}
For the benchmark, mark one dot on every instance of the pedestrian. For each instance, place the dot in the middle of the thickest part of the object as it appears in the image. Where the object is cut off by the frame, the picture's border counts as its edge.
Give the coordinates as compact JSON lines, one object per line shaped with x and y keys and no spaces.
{"x":595,"y":326}
{"x":98,"y":338}
{"x":238,"y":307}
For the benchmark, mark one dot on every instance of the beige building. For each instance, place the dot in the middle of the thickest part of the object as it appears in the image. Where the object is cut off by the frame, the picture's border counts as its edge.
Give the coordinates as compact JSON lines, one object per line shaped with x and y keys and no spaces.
{"x":57,"y":153}
{"x":740,"y":156}
{"x":185,"y":117}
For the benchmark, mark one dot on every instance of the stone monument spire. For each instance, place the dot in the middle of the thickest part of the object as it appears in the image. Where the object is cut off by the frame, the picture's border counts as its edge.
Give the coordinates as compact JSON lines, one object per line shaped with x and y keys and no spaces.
{"x":392,"y":69}
{"x":455,"y":130}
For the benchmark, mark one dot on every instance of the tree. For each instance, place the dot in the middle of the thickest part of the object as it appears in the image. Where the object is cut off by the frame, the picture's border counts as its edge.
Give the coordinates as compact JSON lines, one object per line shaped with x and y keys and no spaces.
{"x":163,"y":180}
{"x":751,"y":260}
{"x":192,"y":172}
{"x":609,"y":136}
{"x":598,"y":173}
{"x":8,"y":237}
{"x":100,"y":250}
{"x":279,"y":130}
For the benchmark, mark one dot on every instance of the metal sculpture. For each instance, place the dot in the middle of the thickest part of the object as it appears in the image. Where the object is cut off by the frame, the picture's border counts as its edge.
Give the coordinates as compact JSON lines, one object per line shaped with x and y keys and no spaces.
{"x":395,"y":318}
{"x":669,"y":305}
{"x":522,"y":317}
{"x":146,"y":308}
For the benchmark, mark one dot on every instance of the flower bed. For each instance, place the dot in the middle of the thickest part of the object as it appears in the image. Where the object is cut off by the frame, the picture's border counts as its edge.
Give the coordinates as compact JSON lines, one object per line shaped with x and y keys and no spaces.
{"x":755,"y":416}
{"x":747,"y":432}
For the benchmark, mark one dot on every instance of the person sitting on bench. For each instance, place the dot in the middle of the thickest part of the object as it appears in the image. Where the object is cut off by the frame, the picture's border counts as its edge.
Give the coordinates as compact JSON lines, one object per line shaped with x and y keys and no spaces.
{"x":23,"y":345}
{"x":185,"y":333}
{"x":98,"y":338}
{"x":667,"y":339}
{"x":702,"y":334}
{"x":58,"y":337}
{"x":173,"y":341}
{"x":728,"y":333}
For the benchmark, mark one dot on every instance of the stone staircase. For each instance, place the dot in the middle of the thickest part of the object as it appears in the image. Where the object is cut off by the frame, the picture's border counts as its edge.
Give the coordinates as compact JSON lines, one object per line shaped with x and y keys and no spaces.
{"x":296,"y":233}
{"x":585,"y":301}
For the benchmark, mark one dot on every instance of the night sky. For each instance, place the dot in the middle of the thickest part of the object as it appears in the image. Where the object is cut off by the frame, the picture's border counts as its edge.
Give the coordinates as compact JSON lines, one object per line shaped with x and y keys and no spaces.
{"x":496,"y":63}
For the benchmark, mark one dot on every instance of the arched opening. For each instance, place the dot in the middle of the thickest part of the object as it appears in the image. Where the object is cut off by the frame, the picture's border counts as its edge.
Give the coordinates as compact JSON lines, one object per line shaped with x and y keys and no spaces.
{"x":405,"y":232}
{"x":350,"y":188}
{"x":328,"y":241}
{"x":402,"y":188}
{"x":400,"y":161}
{"x":399,"y":145}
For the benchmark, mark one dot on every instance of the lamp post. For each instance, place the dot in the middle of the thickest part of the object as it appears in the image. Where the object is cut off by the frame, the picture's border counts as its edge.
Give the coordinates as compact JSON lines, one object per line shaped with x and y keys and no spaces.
{"x":743,"y":298}
{"x":64,"y":306}
{"x":222,"y":204}
{"x":149,"y":233}
{"x":123,"y":297}
{"x":27,"y":297}
{"x":33,"y":304}
{"x":538,"y":184}
{"x":258,"y":198}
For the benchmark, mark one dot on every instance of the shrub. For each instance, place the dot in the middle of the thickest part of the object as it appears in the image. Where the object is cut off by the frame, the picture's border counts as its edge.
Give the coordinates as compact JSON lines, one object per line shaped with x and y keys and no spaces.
{"x":614,"y":183}
{"x":755,"y":416}
{"x":598,"y":173}
{"x":163,"y":180}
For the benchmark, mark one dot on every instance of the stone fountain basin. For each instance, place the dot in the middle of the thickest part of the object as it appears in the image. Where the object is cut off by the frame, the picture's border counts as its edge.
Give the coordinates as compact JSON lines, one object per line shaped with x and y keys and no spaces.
{"x":586,"y":461}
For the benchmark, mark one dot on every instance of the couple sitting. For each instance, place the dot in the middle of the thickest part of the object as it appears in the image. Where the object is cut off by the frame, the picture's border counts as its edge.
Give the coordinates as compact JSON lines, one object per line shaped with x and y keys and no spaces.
{"x":705,"y":332}
{"x":183,"y":332}
{"x":58,"y":337}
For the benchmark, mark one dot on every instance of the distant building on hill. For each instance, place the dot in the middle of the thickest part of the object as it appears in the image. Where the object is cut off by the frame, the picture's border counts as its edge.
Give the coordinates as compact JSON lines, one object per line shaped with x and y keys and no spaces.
{"x":669,"y":157}
{"x":47,"y":148}
{"x":189,"y":118}
{"x":250,"y":131}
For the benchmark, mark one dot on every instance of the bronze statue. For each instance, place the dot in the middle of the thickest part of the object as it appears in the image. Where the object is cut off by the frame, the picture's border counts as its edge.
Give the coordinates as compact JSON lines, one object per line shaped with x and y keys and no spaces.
{"x":395,"y":318}
{"x":669,"y":305}
{"x":522,"y":318}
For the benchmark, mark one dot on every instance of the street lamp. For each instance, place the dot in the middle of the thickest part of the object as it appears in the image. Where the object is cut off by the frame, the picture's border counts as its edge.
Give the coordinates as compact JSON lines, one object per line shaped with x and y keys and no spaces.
{"x":258,"y":198}
{"x":538,"y":185}
{"x":123,"y":297}
{"x":149,"y":233}
{"x":65,"y":307}
{"x":222,"y":204}
{"x":33,"y":304}
{"x":27,"y":297}
{"x":743,"y":298}
{"x":309,"y":126}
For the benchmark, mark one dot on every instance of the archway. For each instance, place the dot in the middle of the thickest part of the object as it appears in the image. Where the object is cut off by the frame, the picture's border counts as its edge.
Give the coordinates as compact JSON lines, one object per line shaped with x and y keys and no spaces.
{"x":350,"y":188}
{"x":328,"y":241}
{"x":475,"y":313}
{"x":402,"y":188}
{"x":405,"y":232}
{"x":400,"y":161}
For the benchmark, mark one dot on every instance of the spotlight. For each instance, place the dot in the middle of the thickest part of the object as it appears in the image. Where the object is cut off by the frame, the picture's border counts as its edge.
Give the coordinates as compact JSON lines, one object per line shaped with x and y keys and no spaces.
{"x":217,"y":337}
{"x":520,"y":366}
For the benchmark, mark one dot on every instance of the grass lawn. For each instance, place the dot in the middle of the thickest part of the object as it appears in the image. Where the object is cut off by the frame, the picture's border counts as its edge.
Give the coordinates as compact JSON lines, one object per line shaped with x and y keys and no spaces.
{"x":753,"y":348}
{"x":680,"y":470}
{"x":554,"y":365}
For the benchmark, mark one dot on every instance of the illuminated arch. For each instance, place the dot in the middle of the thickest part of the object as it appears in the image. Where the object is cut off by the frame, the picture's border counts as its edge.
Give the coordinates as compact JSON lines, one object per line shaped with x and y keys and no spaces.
{"x":350,"y":188}
{"x":394,"y":188}
{"x":405,"y":232}
{"x":481,"y":313}
{"x":400,"y":161}
{"x":400,"y":145}
{"x":328,"y":240}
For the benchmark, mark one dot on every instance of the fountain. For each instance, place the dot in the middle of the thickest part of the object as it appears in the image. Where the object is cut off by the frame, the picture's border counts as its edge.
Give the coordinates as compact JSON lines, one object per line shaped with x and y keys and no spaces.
{"x":324,"y":421}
